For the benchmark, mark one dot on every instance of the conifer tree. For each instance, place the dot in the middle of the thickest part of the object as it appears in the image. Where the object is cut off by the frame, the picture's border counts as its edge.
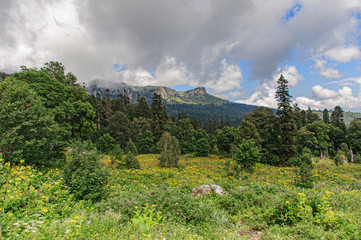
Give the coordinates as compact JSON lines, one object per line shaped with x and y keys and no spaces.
{"x":337,"y":118}
{"x":159,"y":115}
{"x":108,"y":110}
{"x":286,"y":121}
{"x":325,"y":116}
{"x":142,"y":108}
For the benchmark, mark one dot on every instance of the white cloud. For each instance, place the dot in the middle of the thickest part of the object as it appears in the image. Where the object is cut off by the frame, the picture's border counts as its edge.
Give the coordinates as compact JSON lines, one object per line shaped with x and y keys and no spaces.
{"x":344,"y":98}
{"x":323,"y":93}
{"x":344,"y":54}
{"x":265,"y":94}
{"x":327,"y":72}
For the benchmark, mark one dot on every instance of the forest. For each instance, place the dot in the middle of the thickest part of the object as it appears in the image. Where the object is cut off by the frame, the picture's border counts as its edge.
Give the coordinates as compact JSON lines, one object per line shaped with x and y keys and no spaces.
{"x":103,"y":149}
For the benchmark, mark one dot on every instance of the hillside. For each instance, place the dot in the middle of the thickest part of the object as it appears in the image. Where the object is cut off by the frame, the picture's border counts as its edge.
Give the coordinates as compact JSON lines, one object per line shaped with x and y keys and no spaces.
{"x":170,"y":96}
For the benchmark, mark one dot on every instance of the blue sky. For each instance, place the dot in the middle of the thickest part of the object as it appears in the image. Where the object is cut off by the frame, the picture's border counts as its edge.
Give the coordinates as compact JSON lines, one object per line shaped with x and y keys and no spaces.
{"x":236,"y":49}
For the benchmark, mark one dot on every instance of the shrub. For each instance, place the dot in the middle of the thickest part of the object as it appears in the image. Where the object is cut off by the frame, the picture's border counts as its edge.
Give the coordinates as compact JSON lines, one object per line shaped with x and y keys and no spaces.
{"x":84,"y":174}
{"x":131,"y":161}
{"x":247,"y":155}
{"x":169,"y":150}
{"x":304,"y":176}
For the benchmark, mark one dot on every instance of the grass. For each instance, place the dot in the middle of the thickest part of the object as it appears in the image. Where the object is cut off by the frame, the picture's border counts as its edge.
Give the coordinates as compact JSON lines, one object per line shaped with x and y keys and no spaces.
{"x":156,"y":203}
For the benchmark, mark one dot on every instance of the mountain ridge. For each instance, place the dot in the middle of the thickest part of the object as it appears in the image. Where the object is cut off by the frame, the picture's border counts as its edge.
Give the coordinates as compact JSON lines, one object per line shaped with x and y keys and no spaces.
{"x":198,"y":95}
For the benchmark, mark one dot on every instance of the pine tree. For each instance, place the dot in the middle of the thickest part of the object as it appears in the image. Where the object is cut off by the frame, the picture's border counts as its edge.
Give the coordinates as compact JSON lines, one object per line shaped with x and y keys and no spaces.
{"x":169,"y":150}
{"x":142,"y":108}
{"x":108,"y":110}
{"x":325,"y":116}
{"x":337,"y":118}
{"x":286,"y":121}
{"x":159,"y":115}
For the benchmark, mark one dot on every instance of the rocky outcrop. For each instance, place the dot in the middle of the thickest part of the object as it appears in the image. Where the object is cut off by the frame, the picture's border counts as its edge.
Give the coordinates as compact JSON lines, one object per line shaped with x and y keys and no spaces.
{"x":207,"y":189}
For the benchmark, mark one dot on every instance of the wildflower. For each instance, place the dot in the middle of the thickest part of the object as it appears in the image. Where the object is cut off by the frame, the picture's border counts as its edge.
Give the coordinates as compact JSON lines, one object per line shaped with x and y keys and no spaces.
{"x":136,"y":207}
{"x":73,"y":221}
{"x":45,"y":210}
{"x":288,"y":202}
{"x":76,"y":217}
{"x":67,"y":231}
{"x":302,"y":194}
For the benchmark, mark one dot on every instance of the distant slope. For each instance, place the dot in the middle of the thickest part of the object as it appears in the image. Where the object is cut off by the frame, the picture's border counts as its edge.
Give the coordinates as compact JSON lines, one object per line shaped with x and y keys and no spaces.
{"x":170,"y":96}
{"x":196,"y":102}
{"x":231,"y":112}
{"x":347,"y":116}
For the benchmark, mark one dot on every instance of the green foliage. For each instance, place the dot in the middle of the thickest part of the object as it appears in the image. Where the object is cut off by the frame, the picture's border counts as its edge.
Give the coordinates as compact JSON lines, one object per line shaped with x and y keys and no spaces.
{"x":131,"y":161}
{"x":354,"y":136}
{"x":225,"y":137}
{"x":169,"y":150}
{"x":84,"y":173}
{"x":145,"y":143}
{"x":304,"y":177}
{"x":158,"y":115}
{"x":131,"y":148}
{"x":105,"y":143}
{"x":247,"y":155}
{"x":202,"y":147}
{"x":27,"y":130}
{"x":146,"y":219}
{"x":287,"y":123}
{"x":119,"y":128}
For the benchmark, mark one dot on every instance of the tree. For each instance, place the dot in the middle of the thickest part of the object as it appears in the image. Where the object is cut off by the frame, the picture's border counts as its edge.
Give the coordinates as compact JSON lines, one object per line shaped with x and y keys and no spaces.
{"x":321,"y":131}
{"x":325,"y":116}
{"x":108,"y":110}
{"x":131,"y":161}
{"x":145,"y":143}
{"x":202,"y":147}
{"x":354,"y":136}
{"x":169,"y":150}
{"x":225,"y":137}
{"x":142,"y":108}
{"x":268,"y":128}
{"x":337,"y":118}
{"x":27,"y":129}
{"x":119,"y":128}
{"x":131,"y":148}
{"x":105,"y":143}
{"x":287,"y":122}
{"x":159,"y":116}
{"x":247,"y":155}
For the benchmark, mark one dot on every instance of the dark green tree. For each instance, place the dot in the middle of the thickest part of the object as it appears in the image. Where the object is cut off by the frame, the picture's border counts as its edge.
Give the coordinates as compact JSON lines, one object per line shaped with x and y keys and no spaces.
{"x":108,"y":109}
{"x":105,"y":144}
{"x":354,"y":136}
{"x":142,"y":108}
{"x":158,"y":115}
{"x":225,"y":138}
{"x":145,"y":143}
{"x":119,"y":128}
{"x":325,"y":116}
{"x":287,"y":123}
{"x":321,"y":131}
{"x":202,"y":148}
{"x":337,"y":118}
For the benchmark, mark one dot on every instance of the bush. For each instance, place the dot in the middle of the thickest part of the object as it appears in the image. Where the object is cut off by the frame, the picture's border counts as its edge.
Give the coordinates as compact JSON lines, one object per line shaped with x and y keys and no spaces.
{"x":131,"y":161}
{"x":304,"y":176}
{"x":169,"y":151}
{"x":84,"y":174}
{"x":247,"y":155}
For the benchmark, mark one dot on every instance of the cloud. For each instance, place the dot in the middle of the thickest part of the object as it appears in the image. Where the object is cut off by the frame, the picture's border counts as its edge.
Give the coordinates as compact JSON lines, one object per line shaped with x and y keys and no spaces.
{"x":323,"y":93}
{"x":327,"y":72}
{"x":344,"y":54}
{"x":344,"y":98}
{"x":265,"y":94}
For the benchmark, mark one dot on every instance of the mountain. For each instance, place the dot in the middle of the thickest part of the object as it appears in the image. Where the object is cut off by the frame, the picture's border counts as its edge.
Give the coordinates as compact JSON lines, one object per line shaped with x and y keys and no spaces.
{"x":170,"y":96}
{"x":196,"y":102}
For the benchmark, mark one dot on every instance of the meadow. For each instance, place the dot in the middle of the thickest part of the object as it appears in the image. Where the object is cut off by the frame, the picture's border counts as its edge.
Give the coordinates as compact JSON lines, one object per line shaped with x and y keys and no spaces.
{"x":156,"y":203}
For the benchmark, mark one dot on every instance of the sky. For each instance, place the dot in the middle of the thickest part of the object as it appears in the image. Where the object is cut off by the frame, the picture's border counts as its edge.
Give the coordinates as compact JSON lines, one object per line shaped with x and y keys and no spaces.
{"x":236,"y":49}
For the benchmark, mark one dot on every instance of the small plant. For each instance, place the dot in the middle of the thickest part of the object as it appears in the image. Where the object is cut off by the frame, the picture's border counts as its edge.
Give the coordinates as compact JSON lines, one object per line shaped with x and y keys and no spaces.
{"x":84,"y":173}
{"x":131,"y":161}
{"x":146,"y":218}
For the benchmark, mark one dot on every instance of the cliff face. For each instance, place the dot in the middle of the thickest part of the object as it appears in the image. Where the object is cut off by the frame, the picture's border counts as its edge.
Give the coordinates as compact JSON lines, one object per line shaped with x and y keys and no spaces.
{"x":195,"y":96}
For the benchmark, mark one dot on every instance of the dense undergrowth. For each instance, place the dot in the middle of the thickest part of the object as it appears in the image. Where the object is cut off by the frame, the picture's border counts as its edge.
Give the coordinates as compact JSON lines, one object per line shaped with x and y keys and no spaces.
{"x":156,"y":203}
